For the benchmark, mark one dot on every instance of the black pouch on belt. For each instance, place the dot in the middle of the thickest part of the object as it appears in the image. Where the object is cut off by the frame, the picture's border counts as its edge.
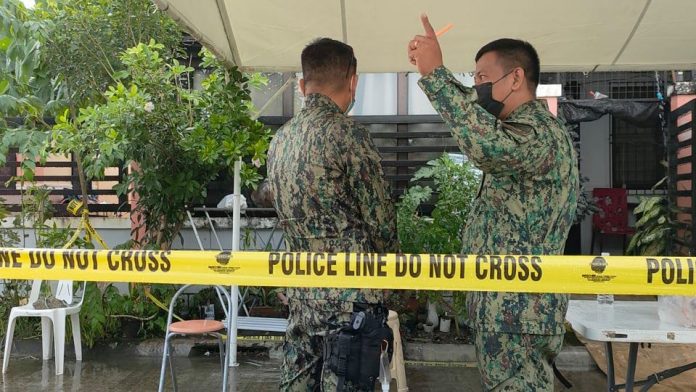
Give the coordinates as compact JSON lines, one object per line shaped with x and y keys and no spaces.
{"x":353,"y":352}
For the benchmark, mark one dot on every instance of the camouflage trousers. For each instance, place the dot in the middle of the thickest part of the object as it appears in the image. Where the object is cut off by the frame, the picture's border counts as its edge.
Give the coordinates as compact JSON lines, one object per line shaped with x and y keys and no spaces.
{"x":303,"y":369}
{"x":516,"y":362}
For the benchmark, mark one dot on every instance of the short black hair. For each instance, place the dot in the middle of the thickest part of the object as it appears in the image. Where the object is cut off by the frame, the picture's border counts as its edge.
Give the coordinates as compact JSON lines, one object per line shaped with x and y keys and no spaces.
{"x":515,"y":53}
{"x":328,"y":62}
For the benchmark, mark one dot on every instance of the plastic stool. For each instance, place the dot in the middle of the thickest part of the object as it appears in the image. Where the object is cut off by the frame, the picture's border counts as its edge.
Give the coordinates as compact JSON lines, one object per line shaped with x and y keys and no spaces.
{"x":195,"y":327}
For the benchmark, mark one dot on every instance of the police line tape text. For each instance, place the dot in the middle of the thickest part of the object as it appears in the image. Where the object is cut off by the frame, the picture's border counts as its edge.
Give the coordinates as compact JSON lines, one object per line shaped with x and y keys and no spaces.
{"x":671,"y":270}
{"x":448,"y":266}
{"x":115,"y":260}
{"x":627,"y":274}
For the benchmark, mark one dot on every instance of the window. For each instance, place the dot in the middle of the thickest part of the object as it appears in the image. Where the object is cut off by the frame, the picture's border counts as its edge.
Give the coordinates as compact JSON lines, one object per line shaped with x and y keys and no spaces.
{"x":418,"y":102}
{"x":636,"y":155}
{"x":636,"y":152}
{"x":375,"y":95}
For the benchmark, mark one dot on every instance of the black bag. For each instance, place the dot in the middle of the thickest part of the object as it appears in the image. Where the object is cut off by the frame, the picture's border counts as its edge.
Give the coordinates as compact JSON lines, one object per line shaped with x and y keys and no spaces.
{"x":353,"y":352}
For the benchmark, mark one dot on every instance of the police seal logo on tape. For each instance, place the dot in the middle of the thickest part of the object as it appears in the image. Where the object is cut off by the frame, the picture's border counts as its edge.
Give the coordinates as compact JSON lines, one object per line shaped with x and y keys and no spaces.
{"x":598,"y":265}
{"x":223,"y":259}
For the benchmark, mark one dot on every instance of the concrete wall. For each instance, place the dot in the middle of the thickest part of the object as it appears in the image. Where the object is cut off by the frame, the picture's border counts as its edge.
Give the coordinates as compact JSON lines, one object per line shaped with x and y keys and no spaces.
{"x":114,"y":231}
{"x":256,"y":233}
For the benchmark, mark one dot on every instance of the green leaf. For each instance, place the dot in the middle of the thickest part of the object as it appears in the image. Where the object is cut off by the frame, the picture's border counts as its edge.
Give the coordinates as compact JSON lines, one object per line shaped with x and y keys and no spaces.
{"x":4,"y":86}
{"x":652,"y":201}
{"x":56,"y":106}
{"x":28,"y":174}
{"x":647,"y":216}
{"x":424,"y":173}
{"x":5,"y":43}
{"x":120,"y":75}
{"x":654,"y":249}
{"x":630,"y":249}
{"x":8,"y":103}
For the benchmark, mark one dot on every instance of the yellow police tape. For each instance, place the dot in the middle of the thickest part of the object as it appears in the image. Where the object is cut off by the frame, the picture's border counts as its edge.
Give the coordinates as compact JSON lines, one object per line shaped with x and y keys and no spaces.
{"x":542,"y":274}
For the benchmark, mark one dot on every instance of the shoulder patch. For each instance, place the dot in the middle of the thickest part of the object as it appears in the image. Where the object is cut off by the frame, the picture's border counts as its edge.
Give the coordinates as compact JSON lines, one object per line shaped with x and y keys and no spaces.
{"x":519,"y":129}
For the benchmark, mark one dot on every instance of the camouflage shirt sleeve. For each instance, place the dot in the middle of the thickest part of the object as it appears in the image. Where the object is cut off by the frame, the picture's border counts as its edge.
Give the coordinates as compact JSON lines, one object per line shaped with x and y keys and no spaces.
{"x":366,"y":180}
{"x":494,"y":146}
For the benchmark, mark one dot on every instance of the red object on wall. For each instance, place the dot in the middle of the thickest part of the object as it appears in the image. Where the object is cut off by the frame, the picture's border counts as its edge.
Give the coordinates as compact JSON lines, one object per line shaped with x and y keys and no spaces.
{"x":612,"y":219}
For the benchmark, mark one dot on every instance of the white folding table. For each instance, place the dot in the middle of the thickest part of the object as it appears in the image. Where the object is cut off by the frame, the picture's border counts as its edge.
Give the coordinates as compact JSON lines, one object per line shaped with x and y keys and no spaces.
{"x":633,"y":322}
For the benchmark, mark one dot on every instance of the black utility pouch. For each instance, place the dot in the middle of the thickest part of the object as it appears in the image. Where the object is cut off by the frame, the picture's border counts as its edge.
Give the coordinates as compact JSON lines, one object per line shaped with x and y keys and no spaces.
{"x":353,"y":351}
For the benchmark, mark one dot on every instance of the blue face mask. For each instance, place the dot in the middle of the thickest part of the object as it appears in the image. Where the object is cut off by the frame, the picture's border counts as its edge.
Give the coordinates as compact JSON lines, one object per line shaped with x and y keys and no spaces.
{"x":484,"y":91}
{"x":350,"y":106}
{"x":352,"y":96}
{"x":352,"y":65}
{"x":352,"y":102}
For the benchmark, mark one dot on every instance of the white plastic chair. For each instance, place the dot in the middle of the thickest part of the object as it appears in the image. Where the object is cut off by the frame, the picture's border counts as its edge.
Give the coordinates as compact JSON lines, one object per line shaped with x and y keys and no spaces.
{"x":52,"y":322}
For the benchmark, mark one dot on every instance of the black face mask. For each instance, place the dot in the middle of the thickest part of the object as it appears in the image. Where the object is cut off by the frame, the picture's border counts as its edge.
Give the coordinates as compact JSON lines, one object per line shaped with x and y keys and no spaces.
{"x":485,"y":97}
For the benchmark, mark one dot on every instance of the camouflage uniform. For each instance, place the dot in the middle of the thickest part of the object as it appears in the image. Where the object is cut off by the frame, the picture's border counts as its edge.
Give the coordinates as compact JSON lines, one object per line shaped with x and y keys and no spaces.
{"x":330,"y":195}
{"x":526,"y":206}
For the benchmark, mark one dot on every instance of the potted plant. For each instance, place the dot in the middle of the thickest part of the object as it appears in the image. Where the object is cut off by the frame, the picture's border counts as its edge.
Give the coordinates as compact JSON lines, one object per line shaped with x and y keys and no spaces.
{"x":654,"y":228}
{"x":265,"y":302}
{"x":455,"y":186}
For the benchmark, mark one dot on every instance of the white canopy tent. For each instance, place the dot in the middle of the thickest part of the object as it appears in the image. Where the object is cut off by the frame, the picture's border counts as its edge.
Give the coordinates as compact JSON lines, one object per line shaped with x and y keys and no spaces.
{"x":587,"y":35}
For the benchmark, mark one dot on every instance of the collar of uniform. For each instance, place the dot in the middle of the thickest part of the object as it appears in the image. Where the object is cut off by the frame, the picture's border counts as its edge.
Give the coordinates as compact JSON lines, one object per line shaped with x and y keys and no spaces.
{"x":316,"y":100}
{"x":527,"y":111}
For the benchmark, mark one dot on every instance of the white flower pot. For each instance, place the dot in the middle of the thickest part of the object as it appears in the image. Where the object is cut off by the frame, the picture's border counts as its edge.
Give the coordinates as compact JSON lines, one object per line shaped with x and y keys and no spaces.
{"x":445,"y":324}
{"x":433,"y":318}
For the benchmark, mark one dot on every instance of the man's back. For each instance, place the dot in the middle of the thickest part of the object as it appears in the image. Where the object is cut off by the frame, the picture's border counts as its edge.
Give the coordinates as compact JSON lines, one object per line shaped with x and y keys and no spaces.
{"x":329,"y":192}
{"x":328,"y":185}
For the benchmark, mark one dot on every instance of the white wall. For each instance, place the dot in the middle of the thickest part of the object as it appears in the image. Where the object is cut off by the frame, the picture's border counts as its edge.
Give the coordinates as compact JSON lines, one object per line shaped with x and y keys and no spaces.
{"x":595,"y":155}
{"x":256,"y":233}
{"x":114,"y":231}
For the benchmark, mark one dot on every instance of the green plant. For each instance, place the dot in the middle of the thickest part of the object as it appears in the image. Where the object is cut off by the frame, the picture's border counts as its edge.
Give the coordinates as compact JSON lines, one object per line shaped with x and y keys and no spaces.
{"x":13,"y":291}
{"x":57,"y":56}
{"x":136,"y":305}
{"x":654,"y":229}
{"x":62,"y":55}
{"x":105,"y":309}
{"x":37,"y":214}
{"x":455,"y":185}
{"x":86,"y":37}
{"x":8,"y":237}
{"x":95,"y":324}
{"x":264,"y":296}
{"x":27,"y":91}
{"x":175,"y":140}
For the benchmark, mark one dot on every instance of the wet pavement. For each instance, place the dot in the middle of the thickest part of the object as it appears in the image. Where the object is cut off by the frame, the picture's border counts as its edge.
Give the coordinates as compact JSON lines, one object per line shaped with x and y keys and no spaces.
{"x":111,"y":372}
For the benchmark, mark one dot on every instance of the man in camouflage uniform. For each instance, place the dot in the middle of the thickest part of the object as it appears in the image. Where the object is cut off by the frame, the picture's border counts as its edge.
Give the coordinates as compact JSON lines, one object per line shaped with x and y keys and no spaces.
{"x":526,"y":204}
{"x":331,"y":196}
